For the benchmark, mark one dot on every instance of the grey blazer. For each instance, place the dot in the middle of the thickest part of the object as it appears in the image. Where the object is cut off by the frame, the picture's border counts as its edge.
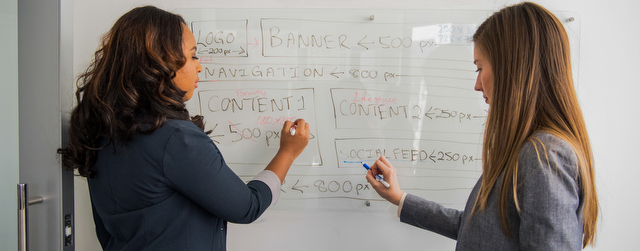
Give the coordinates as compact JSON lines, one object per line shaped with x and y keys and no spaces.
{"x":550,"y":201}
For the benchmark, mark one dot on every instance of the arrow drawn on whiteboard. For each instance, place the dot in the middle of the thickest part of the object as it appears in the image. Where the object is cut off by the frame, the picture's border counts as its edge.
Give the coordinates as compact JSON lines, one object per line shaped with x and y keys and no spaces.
{"x":481,"y":116}
{"x":215,"y":136}
{"x":241,"y":50}
{"x":335,"y":73}
{"x":295,"y":187}
{"x":361,"y":43}
{"x":429,"y":113}
{"x":254,"y":44}
{"x":430,"y":76}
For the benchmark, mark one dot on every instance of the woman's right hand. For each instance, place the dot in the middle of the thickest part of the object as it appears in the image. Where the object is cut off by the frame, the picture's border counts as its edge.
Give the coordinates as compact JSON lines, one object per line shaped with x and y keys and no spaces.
{"x":392,"y":193}
{"x":291,"y":146}
{"x":294,"y":144}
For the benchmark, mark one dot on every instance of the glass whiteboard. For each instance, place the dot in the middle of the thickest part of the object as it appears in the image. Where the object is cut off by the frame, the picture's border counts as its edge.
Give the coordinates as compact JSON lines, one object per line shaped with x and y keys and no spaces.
{"x":369,"y":82}
{"x":397,"y":83}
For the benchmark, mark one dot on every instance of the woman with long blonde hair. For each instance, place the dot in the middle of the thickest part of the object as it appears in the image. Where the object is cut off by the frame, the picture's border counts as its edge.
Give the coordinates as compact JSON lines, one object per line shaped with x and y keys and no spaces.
{"x":537,"y":189}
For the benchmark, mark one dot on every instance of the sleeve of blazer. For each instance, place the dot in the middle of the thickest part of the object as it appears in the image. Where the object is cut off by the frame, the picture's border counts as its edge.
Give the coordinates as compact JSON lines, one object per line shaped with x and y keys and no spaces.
{"x":431,"y":216}
{"x":549,"y":195}
{"x":194,"y":166}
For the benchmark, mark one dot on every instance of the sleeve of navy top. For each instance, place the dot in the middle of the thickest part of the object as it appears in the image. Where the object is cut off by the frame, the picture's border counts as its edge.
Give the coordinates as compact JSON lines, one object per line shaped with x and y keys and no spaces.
{"x":194,"y":166}
{"x":101,"y":232}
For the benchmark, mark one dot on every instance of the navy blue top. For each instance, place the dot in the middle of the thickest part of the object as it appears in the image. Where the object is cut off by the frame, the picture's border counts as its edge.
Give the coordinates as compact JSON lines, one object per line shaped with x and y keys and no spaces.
{"x":170,"y":190}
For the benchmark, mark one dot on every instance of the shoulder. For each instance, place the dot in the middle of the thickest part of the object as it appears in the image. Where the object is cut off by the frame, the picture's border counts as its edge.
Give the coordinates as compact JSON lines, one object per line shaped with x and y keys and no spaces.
{"x":181,"y":125}
{"x":185,"y":131}
{"x":548,"y":155}
{"x":542,"y":145}
{"x":547,"y":139}
{"x":181,"y":128}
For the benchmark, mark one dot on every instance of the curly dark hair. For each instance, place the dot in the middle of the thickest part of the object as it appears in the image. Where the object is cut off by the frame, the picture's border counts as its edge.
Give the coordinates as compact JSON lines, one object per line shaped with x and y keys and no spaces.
{"x":128,"y":87}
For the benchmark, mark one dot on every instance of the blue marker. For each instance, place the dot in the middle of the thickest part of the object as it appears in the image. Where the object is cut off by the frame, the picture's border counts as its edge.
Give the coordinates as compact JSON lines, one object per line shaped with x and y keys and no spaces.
{"x":378,"y":177}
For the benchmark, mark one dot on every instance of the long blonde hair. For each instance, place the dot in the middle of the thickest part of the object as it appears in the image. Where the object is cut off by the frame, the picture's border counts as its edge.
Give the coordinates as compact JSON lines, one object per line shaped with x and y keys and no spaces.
{"x":528,"y":50}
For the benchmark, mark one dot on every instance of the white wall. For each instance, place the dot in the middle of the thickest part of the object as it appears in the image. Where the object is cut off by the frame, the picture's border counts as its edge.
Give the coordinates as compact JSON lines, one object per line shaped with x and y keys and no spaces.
{"x":607,"y":89}
{"x":9,"y":123}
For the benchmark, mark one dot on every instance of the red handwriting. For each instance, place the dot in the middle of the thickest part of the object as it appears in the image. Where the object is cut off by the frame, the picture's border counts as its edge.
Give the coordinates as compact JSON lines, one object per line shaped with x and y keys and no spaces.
{"x":252,"y":93}
{"x":205,"y":59}
{"x":274,"y":121}
{"x":365,"y":97}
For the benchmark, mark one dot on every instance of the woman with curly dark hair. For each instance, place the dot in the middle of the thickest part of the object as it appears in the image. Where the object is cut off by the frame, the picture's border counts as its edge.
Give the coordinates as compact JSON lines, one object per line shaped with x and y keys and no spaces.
{"x":156,"y":180}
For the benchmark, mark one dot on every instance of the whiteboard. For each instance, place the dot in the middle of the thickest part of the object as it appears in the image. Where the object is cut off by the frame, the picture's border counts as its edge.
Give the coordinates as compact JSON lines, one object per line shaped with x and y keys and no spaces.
{"x":397,"y":83}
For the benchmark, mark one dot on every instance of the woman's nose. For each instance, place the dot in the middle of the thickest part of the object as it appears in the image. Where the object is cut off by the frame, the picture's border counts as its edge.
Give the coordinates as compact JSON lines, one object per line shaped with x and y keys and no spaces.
{"x":199,"y":67}
{"x":478,"y":86}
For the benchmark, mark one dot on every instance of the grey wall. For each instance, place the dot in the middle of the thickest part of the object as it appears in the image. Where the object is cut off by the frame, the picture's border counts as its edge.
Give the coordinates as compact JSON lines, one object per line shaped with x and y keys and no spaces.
{"x":8,"y":123}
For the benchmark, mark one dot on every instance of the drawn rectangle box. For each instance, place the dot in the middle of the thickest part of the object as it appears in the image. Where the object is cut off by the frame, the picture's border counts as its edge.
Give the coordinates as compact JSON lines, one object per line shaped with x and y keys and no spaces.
{"x":220,"y":38}
{"x":393,"y":111}
{"x":445,"y":155}
{"x":243,"y":119}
